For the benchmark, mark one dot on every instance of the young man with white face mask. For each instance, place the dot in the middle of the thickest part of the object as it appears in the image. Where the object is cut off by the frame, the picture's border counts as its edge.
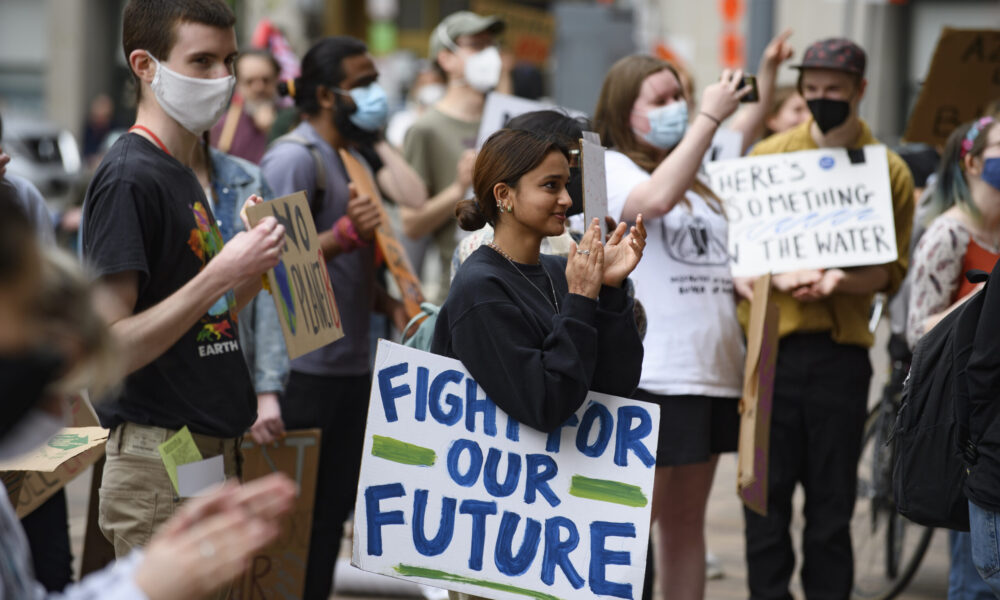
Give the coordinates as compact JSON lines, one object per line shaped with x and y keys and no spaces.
{"x":167,"y":286}
{"x":823,"y":372}
{"x":440,"y":143}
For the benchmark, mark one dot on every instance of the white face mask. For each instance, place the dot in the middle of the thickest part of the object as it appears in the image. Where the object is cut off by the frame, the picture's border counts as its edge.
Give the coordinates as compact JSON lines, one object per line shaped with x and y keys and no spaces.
{"x":430,"y":93}
{"x":35,"y":429}
{"x":193,"y":102}
{"x":482,"y":69}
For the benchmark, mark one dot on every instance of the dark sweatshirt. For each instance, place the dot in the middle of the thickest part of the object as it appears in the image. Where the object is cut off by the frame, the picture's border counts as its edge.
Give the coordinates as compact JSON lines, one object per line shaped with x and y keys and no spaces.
{"x":535,"y":364}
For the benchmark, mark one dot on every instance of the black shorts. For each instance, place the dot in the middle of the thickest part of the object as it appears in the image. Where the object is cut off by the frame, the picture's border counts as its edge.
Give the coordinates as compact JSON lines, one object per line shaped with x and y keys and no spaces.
{"x":693,"y":428}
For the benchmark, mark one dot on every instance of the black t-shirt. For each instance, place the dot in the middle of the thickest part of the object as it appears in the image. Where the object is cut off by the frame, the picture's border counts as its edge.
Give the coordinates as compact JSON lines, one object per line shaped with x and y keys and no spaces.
{"x":146,"y":212}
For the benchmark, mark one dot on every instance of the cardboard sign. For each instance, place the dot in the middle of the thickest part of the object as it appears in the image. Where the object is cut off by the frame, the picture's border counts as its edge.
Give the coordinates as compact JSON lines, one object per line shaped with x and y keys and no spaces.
{"x":278,"y":572}
{"x":595,"y":183}
{"x":300,"y":284}
{"x":501,"y":108}
{"x":758,"y":398}
{"x":814,"y":209}
{"x":963,"y":79}
{"x":529,"y":32}
{"x":454,"y":493}
{"x":49,"y":468}
{"x":35,"y":487}
{"x":395,"y":255}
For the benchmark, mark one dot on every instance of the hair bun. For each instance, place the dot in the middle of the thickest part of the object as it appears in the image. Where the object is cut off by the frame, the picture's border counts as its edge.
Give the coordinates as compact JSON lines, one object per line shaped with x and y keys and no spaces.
{"x":286,"y":87}
{"x":470,"y":216}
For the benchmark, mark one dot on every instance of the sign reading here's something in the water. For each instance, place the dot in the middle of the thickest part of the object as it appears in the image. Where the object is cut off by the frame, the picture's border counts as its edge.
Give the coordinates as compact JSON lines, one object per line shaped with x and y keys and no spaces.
{"x":453,"y":493}
{"x":814,"y":209}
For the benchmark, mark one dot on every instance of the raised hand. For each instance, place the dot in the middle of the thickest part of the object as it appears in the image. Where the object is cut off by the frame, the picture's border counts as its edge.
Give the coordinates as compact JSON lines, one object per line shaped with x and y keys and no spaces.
{"x":722,"y":98}
{"x":622,"y":253}
{"x":777,"y":51}
{"x":363,"y":213}
{"x":585,"y":264}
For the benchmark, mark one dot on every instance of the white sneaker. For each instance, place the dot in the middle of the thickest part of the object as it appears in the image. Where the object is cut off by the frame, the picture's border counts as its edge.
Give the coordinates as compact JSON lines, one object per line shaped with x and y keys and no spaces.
{"x":713,"y":566}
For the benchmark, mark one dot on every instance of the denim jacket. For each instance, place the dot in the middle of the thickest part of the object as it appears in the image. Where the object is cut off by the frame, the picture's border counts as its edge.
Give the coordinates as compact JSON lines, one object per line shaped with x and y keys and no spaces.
{"x":233,"y":181}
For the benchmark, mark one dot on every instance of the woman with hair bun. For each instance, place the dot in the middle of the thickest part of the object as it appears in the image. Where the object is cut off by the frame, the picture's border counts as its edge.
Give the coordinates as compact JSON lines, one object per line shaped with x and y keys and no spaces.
{"x":537,"y":331}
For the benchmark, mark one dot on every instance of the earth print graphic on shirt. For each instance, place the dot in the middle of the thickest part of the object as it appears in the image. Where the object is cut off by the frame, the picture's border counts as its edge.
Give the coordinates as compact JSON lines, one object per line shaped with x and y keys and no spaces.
{"x":217,"y":333}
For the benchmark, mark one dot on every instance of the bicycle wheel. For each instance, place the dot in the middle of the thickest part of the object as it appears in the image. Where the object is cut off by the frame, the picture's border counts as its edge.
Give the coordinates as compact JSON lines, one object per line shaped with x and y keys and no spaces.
{"x":888,"y":548}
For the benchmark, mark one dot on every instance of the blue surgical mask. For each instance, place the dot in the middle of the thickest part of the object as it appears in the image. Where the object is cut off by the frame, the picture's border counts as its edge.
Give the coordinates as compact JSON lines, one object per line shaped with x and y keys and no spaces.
{"x":372,"y":106}
{"x":991,"y":171}
{"x":667,"y":125}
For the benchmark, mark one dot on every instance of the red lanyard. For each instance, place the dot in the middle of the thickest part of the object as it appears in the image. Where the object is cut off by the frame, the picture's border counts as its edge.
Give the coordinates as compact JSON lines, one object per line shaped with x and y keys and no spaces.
{"x":152,"y":135}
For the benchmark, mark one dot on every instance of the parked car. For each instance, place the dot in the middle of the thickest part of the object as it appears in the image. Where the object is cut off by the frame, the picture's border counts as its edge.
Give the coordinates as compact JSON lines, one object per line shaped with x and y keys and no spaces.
{"x":46,"y":155}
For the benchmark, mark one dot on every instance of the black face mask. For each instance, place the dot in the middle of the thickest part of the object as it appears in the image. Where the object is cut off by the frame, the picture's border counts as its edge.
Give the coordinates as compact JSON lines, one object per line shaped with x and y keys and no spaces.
{"x":574,"y":186}
{"x":342,"y":121}
{"x":828,"y":113}
{"x":23,"y":379}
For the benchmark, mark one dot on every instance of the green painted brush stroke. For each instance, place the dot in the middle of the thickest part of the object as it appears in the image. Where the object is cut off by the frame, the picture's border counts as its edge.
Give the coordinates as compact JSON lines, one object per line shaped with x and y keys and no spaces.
{"x":411,"y":571}
{"x":607,"y":491}
{"x":402,"y":452}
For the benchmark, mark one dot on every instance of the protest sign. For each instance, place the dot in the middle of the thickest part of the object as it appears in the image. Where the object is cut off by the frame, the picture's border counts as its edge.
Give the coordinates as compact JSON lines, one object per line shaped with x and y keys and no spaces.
{"x":964,"y":77}
{"x":395,"y":255}
{"x":278,"y":572}
{"x":38,"y":486}
{"x":813,"y":209}
{"x":501,"y":108}
{"x":449,"y":482}
{"x":300,"y":284}
{"x":529,"y":31}
{"x":595,"y":182}
{"x":50,"y":467}
{"x":758,"y":398}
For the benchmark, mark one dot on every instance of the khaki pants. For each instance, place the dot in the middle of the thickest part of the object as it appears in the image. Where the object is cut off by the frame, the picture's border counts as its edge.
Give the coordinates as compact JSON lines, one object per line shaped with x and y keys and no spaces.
{"x":136,"y":495}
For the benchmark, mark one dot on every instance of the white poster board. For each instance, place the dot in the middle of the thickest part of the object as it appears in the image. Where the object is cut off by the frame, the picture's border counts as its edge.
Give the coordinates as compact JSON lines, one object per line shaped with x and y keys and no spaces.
{"x":595,"y":181}
{"x":500,"y":108}
{"x":455,"y":494}
{"x":814,"y":209}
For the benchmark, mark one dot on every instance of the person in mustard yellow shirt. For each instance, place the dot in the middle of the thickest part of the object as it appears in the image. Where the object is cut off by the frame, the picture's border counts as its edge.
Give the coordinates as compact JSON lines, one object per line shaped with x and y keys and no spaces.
{"x":823,"y":372}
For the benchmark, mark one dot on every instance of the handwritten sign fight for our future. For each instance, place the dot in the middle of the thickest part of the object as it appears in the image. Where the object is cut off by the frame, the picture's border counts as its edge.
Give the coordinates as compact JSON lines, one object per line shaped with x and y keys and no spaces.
{"x":814,"y":209}
{"x":453,"y":493}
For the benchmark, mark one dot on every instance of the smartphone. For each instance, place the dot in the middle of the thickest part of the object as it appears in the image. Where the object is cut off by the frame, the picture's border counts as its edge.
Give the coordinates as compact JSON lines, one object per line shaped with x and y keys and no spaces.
{"x":753,"y":96}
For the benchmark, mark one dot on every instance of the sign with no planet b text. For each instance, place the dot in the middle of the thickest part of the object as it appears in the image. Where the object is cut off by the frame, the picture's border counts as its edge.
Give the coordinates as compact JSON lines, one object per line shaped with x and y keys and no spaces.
{"x":300,"y":284}
{"x":453,"y":493}
{"x":814,"y":209}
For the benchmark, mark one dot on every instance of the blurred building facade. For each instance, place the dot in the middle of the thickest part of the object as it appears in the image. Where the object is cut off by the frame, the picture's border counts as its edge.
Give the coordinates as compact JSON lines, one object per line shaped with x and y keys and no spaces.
{"x":57,"y":55}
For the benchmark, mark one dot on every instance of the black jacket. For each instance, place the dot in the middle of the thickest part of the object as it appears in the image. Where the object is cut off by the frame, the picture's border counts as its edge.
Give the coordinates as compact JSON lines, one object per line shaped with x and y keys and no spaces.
{"x":983,"y":375}
{"x":535,"y":364}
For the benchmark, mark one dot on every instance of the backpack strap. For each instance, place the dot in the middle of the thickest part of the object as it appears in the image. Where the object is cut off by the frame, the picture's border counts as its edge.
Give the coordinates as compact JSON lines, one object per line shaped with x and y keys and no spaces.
{"x":316,"y":202}
{"x":965,"y":333}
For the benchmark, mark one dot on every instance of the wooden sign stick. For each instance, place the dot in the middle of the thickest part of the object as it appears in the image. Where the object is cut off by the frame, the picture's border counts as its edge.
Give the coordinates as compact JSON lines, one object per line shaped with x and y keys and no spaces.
{"x":385,"y":237}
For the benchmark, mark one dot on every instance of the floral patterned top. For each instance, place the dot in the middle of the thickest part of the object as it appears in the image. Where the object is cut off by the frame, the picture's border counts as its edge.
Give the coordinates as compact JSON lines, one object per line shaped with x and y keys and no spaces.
{"x":942,"y":256}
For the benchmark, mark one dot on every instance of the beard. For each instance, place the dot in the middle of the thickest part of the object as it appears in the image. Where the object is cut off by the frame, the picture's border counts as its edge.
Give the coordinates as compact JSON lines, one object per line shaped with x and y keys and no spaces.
{"x":342,"y":121}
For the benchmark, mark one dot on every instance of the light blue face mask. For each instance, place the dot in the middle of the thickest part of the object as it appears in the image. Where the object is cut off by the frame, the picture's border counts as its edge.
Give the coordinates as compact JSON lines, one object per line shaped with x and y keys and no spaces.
{"x":667,"y":125}
{"x":373,"y":106}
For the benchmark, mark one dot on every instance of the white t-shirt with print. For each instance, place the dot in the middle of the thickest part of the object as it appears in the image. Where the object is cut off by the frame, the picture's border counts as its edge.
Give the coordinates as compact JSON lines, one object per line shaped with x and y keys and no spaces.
{"x":694,"y":344}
